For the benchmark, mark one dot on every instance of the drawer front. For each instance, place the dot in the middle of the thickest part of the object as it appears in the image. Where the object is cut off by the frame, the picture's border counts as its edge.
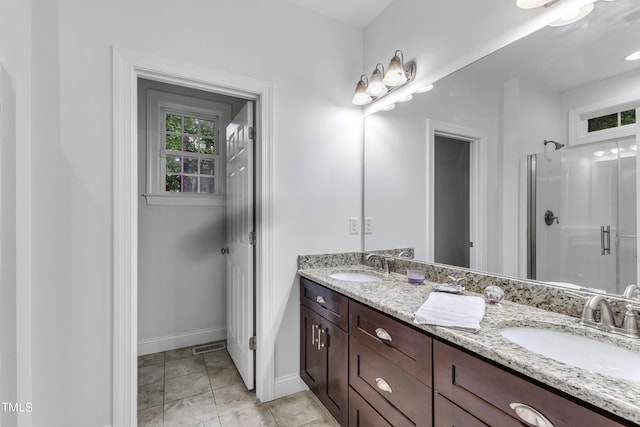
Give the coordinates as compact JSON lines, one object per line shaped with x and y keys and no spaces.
{"x":327,"y":303}
{"x":406,"y":347}
{"x":448,"y":414}
{"x":386,"y":386}
{"x":361,"y":414}
{"x":487,"y":391}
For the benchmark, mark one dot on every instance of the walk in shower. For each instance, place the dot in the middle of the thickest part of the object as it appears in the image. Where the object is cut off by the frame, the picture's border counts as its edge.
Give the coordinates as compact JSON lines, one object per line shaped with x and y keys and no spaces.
{"x":581,"y":225}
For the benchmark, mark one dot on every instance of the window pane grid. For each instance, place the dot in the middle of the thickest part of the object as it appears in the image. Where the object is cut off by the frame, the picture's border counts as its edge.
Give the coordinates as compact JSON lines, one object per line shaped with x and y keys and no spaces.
{"x":190,"y":154}
{"x":610,"y":121}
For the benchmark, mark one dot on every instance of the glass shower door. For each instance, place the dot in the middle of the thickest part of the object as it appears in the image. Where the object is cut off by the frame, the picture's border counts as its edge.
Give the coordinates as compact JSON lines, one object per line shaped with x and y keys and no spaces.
{"x":585,"y":216}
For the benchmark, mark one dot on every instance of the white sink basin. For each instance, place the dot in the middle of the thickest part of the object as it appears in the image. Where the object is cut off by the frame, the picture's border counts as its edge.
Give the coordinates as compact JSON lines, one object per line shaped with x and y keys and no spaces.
{"x":579,"y":351}
{"x":353,"y":276}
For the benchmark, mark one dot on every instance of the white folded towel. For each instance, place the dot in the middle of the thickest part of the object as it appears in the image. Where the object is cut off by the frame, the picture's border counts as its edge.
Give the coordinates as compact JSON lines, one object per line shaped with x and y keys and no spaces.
{"x":459,"y":311}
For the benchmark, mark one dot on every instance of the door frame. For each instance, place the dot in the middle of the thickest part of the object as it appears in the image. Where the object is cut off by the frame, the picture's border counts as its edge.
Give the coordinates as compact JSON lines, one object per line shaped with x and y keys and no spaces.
{"x":477,"y":188}
{"x":128,"y":66}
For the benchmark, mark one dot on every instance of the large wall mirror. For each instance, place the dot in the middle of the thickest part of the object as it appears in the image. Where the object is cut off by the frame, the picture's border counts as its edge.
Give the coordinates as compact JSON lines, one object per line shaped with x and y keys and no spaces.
{"x":521,"y":164}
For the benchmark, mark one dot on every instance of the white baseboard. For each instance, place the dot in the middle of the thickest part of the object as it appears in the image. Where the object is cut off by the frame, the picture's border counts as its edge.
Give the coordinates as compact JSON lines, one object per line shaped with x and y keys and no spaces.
{"x":185,"y":339}
{"x":288,"y":384}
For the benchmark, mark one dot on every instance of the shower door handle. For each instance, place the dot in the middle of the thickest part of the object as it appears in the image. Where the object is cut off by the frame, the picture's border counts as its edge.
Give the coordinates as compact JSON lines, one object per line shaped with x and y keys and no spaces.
{"x":605,"y":240}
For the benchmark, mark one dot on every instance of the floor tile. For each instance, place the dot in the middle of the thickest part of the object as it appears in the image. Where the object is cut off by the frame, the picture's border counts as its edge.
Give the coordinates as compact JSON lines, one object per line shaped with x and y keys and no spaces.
{"x":150,"y":395}
{"x":151,"y":417}
{"x":185,"y":386}
{"x":150,"y":359}
{"x":217,"y":359}
{"x":151,"y":374}
{"x":180,"y":353}
{"x":295,"y":410}
{"x":186,"y":366}
{"x":256,"y":415}
{"x":232,"y":398}
{"x":191,"y":411}
{"x":224,"y":377}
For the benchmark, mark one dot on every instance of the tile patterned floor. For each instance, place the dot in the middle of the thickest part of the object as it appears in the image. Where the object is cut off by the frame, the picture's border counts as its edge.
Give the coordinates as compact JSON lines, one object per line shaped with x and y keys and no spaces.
{"x":176,"y":388}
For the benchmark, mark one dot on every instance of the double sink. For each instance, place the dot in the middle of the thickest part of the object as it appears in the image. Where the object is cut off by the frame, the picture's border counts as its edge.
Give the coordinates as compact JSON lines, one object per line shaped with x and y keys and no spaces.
{"x":562,"y":346}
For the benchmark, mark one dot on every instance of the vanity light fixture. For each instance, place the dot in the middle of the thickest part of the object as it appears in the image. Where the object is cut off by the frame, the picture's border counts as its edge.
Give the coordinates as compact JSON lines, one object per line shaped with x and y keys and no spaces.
{"x":384,"y":82}
{"x":376,"y":87}
{"x":361,"y":97}
{"x":634,"y":56}
{"x":573,"y":15}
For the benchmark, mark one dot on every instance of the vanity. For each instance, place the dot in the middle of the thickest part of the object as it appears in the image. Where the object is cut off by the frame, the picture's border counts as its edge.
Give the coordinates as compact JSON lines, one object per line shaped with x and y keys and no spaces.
{"x":370,"y":365}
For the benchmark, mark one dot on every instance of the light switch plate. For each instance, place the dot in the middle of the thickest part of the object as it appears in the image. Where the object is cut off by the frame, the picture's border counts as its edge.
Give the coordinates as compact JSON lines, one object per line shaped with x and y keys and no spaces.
{"x":354,"y":225}
{"x":368,"y":225}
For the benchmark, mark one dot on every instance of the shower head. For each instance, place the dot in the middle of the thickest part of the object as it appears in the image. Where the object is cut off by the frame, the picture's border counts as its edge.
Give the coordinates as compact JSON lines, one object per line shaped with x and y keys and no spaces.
{"x":557,"y":144}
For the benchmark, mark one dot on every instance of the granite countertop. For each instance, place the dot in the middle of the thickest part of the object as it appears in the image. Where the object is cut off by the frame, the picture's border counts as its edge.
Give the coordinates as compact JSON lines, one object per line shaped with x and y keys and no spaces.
{"x":400,"y":300}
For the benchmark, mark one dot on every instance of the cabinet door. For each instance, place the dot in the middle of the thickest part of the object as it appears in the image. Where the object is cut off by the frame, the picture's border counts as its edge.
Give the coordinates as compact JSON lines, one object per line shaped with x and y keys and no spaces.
{"x":312,"y":363}
{"x":336,"y":351}
{"x":324,"y":361}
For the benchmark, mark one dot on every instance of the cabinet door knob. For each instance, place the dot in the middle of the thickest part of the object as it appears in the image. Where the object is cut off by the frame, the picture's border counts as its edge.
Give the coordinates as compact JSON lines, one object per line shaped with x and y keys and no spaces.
{"x":383,"y":385}
{"x":530,"y":415}
{"x":320,"y":300}
{"x":383,"y":335}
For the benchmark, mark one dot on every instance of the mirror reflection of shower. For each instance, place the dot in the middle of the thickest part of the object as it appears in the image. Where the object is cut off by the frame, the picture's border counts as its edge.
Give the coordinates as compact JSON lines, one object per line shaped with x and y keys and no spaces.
{"x":592,"y":187}
{"x":556,"y":144}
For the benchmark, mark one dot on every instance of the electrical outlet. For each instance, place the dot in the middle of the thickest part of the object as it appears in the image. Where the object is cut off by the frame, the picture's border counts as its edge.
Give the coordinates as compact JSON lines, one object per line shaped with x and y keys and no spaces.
{"x":354,"y":225}
{"x":368,"y":225}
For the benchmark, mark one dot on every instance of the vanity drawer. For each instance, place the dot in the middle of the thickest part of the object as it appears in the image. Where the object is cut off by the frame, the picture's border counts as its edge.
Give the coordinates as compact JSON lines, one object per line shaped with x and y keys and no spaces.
{"x":361,"y":414}
{"x":327,"y":303}
{"x":447,"y":414}
{"x":386,"y":386}
{"x":486,"y":391}
{"x":397,"y":342}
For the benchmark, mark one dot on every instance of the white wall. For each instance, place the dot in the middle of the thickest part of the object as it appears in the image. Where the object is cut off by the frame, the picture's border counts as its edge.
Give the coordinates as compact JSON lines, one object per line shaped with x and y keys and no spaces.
{"x":317,"y":154}
{"x":8,"y":323}
{"x":396,"y":158}
{"x":181,"y":271}
{"x":442,"y":37}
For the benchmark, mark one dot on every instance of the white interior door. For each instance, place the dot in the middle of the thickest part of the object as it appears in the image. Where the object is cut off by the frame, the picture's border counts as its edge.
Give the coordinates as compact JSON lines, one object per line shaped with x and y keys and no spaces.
{"x":240,"y":295}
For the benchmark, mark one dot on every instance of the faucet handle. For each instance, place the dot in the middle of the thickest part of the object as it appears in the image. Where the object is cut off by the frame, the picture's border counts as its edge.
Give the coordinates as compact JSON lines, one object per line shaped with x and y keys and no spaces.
{"x":630,"y":322}
{"x":456,"y":281}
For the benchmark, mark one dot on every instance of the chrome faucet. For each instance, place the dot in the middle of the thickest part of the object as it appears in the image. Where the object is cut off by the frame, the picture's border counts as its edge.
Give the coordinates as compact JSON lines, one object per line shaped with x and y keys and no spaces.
{"x":631,"y":290}
{"x":383,"y":260}
{"x":588,"y":318}
{"x":607,"y":322}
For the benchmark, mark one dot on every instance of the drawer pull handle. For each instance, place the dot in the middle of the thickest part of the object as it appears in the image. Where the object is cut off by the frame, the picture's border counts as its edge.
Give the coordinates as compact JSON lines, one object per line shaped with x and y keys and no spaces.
{"x":313,"y":334}
{"x":383,"y":385}
{"x":530,"y":415}
{"x":383,"y":335}
{"x":320,"y":343}
{"x":320,"y":300}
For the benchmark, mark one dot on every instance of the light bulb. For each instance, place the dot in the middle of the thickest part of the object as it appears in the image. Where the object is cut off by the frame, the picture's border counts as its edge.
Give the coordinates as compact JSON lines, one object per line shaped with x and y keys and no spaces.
{"x":361,"y":97}
{"x":376,"y":88}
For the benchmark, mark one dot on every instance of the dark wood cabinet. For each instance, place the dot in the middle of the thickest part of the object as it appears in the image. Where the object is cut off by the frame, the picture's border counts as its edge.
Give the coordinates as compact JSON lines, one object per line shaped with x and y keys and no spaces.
{"x":324,"y":354}
{"x":500,"y":398}
{"x":370,"y":370}
{"x":389,"y":367}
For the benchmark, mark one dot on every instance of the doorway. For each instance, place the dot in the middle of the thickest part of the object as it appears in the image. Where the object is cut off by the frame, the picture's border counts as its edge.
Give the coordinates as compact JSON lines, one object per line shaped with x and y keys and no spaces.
{"x":452,"y":242}
{"x":128,"y":67}
{"x":459,"y":193}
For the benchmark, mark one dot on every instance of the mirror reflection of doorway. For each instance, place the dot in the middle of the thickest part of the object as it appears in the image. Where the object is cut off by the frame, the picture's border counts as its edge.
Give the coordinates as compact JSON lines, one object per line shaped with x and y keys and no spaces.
{"x":452,"y":201}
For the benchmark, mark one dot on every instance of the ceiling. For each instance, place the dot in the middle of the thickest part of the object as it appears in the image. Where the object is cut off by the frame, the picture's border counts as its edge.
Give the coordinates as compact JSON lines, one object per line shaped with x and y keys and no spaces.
{"x":567,"y":57}
{"x":357,"y":13}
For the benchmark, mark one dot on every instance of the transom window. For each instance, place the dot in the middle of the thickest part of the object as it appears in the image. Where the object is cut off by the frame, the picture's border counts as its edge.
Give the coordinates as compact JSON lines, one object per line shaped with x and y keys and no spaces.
{"x":190,"y":153}
{"x":614,"y":120}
